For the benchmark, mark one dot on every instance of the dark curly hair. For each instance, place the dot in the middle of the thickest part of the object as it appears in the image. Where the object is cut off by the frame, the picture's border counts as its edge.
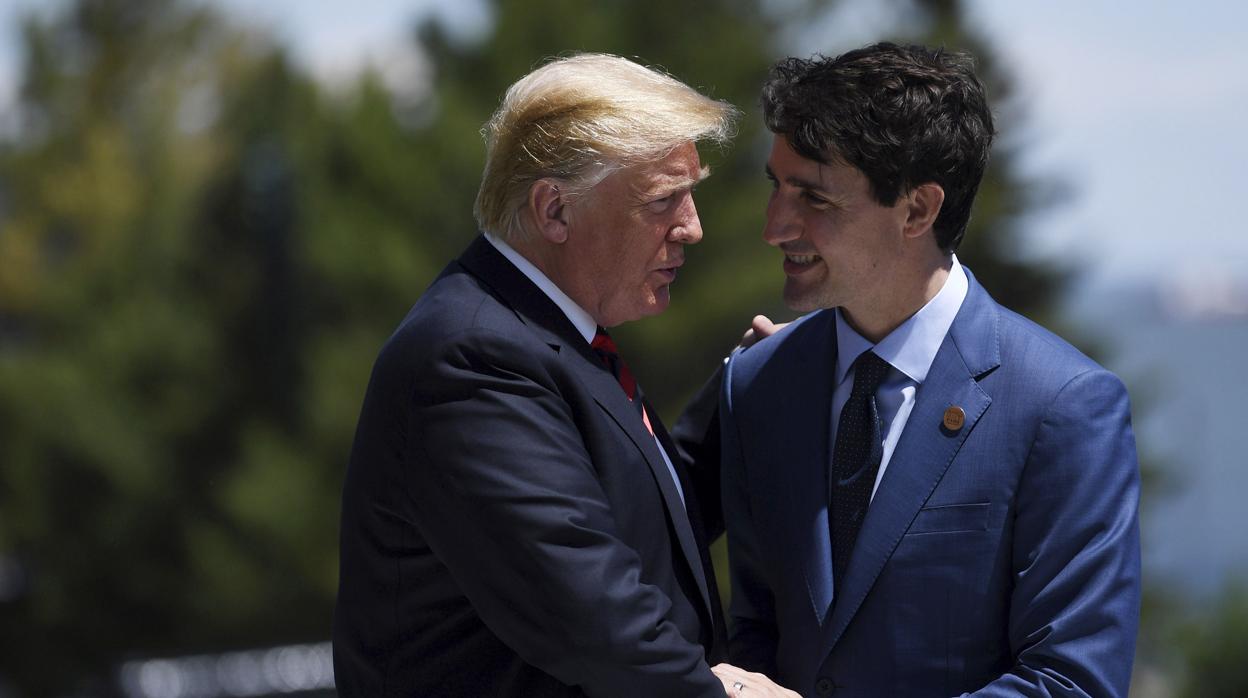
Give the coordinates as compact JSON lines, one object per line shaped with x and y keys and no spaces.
{"x":903,"y":115}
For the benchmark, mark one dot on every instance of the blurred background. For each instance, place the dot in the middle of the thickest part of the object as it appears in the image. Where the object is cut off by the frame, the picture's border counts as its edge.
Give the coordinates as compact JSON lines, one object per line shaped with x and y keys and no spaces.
{"x":212,"y":214}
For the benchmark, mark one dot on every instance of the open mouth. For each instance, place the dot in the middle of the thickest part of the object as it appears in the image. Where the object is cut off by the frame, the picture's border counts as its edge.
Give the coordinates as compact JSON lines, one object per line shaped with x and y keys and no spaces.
{"x":668,"y":274}
{"x":797,"y":263}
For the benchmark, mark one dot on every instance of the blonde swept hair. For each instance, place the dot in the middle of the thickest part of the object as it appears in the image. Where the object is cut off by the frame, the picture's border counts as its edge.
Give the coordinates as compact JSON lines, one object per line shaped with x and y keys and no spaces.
{"x":579,"y":118}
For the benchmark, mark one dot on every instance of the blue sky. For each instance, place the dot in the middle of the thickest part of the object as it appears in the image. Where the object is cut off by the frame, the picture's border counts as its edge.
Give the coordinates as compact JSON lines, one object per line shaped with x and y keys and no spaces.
{"x":1140,"y":107}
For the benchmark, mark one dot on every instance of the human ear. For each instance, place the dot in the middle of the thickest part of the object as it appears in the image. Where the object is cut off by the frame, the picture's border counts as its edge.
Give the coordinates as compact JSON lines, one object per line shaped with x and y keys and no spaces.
{"x":548,"y":209}
{"x":923,"y":204}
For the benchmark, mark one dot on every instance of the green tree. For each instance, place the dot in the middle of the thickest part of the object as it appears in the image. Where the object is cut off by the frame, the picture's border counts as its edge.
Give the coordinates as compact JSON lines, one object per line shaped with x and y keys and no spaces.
{"x":200,"y":252}
{"x":1213,"y":642}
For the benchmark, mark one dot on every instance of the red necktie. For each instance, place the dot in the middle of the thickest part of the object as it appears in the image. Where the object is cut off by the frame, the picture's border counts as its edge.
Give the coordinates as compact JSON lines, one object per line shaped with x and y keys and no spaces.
{"x":606,"y":350}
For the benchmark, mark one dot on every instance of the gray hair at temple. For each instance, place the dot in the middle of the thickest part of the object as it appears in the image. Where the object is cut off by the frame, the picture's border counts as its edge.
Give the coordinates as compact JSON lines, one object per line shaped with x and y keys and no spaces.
{"x":579,"y":118}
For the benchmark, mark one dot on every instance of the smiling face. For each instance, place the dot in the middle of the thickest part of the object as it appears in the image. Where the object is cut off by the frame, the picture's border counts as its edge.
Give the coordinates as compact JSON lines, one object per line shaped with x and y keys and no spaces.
{"x":842,"y":247}
{"x":626,"y":238}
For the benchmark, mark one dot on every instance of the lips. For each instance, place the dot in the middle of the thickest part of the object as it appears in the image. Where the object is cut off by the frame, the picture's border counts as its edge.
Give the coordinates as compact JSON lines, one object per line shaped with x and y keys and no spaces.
{"x":669,"y":272}
{"x":797,"y":263}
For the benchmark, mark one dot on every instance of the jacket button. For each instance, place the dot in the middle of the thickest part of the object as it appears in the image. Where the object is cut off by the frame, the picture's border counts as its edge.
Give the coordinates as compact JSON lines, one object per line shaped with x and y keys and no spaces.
{"x":825,"y":687}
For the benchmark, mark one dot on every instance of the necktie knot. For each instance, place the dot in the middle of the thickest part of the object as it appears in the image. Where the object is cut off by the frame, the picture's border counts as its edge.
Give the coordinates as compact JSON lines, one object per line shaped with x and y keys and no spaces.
{"x":869,"y":372}
{"x":603,"y":344}
{"x":609,"y":354}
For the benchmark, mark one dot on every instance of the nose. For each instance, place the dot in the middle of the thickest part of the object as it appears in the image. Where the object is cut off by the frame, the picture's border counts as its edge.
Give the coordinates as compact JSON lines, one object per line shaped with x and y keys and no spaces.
{"x":688,"y":227}
{"x":782,"y":226}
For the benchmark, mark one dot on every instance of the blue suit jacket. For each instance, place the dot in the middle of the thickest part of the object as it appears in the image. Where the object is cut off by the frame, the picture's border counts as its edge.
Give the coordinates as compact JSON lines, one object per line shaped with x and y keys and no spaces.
{"x":1001,"y":559}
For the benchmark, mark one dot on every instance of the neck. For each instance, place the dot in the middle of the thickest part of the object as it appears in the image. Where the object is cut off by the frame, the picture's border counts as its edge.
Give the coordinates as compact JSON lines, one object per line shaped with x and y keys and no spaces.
{"x":874,"y":321}
{"x":550,"y":260}
{"x":536,"y":253}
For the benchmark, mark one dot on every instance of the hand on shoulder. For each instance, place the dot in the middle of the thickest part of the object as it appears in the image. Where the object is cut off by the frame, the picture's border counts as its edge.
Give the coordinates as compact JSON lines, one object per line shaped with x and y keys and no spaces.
{"x":761,"y":327}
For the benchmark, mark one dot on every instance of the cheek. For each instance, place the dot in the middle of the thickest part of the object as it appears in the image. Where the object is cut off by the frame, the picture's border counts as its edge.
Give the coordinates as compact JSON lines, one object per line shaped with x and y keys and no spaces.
{"x":822,"y":235}
{"x":646,"y":249}
{"x":622,"y":263}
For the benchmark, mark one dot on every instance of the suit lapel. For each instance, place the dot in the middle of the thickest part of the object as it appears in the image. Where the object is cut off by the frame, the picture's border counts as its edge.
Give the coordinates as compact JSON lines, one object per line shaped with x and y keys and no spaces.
{"x":925,"y":449}
{"x":798,"y":447}
{"x":608,"y":394}
{"x":694,"y":546}
{"x":541,"y":314}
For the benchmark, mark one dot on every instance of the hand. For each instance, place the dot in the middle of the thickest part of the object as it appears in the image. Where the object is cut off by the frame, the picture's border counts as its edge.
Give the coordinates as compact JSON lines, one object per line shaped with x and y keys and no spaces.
{"x":739,"y":683}
{"x":760,"y":328}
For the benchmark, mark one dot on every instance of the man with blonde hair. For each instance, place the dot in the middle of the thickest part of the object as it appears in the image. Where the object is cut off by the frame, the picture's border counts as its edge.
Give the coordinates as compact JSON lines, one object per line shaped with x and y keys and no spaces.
{"x":516,"y":519}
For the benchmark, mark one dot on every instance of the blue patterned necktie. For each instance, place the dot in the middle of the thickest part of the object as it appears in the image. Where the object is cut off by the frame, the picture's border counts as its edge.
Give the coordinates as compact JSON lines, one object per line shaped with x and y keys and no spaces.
{"x":855,"y":459}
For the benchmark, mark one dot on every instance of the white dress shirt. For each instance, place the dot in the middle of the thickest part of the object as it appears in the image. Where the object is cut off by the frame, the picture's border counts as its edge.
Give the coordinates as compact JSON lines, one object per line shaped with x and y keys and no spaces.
{"x":909,"y":351}
{"x":580,"y":318}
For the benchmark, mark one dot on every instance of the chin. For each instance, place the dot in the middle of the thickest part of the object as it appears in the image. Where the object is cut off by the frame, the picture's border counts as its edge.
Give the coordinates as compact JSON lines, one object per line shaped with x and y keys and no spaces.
{"x":659,"y":300}
{"x":799,"y":302}
{"x":654,"y":309}
{"x":805,"y":300}
{"x":654,"y":302}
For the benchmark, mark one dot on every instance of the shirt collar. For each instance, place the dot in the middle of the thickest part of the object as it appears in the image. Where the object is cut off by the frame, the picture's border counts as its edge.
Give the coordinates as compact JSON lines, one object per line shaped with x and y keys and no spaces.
{"x":580,"y":319}
{"x":912,"y":347}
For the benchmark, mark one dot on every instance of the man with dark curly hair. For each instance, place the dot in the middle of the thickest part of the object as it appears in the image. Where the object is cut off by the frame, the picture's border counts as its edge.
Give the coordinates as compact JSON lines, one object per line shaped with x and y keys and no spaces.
{"x":926,"y":494}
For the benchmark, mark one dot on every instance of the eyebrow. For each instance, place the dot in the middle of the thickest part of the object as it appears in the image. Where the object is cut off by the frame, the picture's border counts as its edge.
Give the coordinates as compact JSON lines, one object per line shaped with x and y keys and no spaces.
{"x":675,"y":184}
{"x":797,"y":182}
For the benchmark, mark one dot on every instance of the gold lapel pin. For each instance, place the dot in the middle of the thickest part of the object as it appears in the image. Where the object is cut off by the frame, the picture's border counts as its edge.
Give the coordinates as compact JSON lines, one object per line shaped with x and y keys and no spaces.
{"x":955,"y":417}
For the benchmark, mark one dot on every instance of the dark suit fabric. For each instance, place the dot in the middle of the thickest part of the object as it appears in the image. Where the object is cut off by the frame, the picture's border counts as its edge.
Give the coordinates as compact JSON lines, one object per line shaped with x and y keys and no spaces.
{"x":1000,"y":559}
{"x":509,"y":527}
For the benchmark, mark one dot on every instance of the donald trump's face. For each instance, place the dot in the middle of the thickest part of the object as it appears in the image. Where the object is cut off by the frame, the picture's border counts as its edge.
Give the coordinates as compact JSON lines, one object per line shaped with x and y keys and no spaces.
{"x":626,"y":237}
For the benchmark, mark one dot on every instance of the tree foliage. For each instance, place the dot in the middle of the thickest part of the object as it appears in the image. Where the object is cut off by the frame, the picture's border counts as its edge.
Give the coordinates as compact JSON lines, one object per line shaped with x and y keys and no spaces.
{"x":199,"y":253}
{"x":1213,"y":642}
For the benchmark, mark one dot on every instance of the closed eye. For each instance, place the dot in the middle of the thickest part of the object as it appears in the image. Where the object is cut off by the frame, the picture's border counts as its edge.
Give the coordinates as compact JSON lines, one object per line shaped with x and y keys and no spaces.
{"x":815,"y":201}
{"x":661,"y":204}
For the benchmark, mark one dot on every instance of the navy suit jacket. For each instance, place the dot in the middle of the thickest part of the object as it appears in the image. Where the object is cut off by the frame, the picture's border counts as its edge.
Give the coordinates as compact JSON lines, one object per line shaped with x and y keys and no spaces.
{"x":998,"y":559}
{"x":508,"y":524}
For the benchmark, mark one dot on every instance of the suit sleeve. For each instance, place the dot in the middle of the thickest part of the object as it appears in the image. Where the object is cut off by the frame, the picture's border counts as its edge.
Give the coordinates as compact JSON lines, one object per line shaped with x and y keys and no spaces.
{"x":752,"y":630}
{"x":697,"y":439}
{"x":1076,"y":550}
{"x":506,"y":495}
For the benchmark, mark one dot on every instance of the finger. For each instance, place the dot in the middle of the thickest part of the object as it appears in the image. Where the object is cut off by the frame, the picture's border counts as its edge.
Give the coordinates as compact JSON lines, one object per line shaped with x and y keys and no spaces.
{"x":736,"y":681}
{"x":762,"y":325}
{"x":755,"y":685}
{"x":726,"y":669}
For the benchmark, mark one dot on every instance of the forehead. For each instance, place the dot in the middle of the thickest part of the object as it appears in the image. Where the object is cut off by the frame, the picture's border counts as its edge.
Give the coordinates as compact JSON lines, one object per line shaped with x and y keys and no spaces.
{"x":679,"y":168}
{"x":791,"y":167}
